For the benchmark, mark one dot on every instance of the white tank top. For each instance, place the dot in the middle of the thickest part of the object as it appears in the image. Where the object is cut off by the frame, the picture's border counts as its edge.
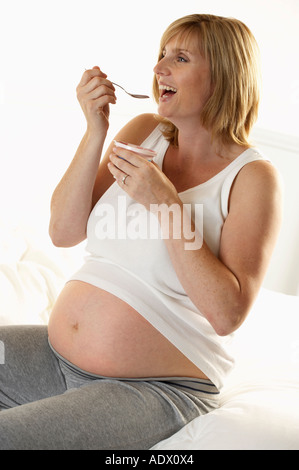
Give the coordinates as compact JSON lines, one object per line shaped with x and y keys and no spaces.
{"x":128,"y":259}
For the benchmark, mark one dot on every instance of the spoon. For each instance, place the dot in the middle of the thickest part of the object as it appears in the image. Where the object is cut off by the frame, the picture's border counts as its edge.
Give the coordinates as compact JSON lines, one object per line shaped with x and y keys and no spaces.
{"x":131,"y":94}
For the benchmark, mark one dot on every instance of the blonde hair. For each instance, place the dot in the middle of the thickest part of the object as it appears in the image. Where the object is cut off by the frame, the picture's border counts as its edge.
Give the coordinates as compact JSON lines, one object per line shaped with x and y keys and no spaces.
{"x":233,"y":54}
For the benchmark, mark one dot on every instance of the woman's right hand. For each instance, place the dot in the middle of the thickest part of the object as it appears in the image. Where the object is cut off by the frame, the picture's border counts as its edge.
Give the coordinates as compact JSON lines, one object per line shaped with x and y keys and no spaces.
{"x":94,"y":94}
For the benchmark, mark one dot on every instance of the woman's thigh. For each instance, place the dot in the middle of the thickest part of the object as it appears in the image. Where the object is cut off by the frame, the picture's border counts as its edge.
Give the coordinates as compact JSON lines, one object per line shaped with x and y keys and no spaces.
{"x":29,"y":370}
{"x":104,"y":414}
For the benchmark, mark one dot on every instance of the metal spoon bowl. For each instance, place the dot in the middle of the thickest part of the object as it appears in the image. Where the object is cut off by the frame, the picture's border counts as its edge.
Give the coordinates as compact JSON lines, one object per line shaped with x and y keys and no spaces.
{"x":141,"y":97}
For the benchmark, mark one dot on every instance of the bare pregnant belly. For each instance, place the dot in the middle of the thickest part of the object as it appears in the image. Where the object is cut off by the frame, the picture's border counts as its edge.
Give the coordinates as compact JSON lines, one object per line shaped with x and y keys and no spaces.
{"x":101,"y":334}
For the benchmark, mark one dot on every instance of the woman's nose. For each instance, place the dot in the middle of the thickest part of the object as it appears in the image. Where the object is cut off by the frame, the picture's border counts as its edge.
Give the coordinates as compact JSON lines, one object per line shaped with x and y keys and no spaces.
{"x":161,"y":67}
{"x":156,"y":69}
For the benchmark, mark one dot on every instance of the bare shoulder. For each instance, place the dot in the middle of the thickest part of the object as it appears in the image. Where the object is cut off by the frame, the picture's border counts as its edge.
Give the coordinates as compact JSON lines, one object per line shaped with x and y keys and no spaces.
{"x":138,"y":129}
{"x":258,"y":180}
{"x":261,"y":169}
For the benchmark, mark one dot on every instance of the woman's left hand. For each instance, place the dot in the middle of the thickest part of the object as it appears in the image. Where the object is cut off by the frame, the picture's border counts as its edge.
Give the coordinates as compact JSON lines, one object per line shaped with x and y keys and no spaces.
{"x":142,"y":180}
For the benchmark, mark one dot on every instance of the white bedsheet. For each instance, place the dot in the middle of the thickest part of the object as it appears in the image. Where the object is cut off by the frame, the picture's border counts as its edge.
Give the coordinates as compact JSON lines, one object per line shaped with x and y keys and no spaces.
{"x":260,"y":402}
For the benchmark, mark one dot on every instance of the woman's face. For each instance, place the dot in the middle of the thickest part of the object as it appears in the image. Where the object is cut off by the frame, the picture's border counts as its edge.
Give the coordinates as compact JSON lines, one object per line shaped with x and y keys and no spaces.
{"x":183,"y":77}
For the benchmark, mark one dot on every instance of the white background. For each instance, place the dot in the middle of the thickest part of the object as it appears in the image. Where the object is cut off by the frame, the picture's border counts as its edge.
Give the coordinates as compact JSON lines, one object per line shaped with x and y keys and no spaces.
{"x":45,"y":47}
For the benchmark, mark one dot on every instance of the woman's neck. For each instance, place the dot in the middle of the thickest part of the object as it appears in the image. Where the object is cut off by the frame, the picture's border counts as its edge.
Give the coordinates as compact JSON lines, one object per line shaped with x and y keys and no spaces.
{"x":198,"y":144}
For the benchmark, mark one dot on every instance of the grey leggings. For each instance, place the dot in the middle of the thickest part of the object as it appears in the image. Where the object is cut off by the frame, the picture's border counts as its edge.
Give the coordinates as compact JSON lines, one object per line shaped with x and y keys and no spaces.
{"x":48,"y":403}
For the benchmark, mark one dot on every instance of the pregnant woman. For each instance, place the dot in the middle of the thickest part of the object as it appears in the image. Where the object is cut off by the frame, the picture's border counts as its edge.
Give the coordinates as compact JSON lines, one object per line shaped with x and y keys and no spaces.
{"x":138,"y":341}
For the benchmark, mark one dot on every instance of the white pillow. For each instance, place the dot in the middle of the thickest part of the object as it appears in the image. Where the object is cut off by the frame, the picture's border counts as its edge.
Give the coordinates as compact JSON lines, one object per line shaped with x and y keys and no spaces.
{"x":29,"y":280}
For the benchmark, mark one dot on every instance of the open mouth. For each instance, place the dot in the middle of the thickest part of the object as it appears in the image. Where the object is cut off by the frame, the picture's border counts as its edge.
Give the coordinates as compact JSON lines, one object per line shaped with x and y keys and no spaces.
{"x":166,"y":91}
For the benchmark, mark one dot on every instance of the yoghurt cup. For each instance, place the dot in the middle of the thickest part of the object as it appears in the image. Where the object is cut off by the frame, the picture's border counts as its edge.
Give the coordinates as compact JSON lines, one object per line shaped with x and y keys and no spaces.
{"x":143,"y":152}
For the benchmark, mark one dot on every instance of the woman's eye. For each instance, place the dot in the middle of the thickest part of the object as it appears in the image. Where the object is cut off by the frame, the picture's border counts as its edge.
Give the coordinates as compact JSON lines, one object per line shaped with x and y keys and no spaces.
{"x":181,"y":59}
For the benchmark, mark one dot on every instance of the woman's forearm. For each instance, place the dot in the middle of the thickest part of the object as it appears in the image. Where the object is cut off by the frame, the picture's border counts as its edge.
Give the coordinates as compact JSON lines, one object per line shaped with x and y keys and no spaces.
{"x":72,"y":199}
{"x":211,"y":286}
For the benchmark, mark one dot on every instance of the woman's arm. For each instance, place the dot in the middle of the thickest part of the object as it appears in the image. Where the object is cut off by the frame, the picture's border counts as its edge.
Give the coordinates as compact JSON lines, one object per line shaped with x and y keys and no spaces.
{"x":88,"y":177}
{"x":72,"y":199}
{"x":224,"y":288}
